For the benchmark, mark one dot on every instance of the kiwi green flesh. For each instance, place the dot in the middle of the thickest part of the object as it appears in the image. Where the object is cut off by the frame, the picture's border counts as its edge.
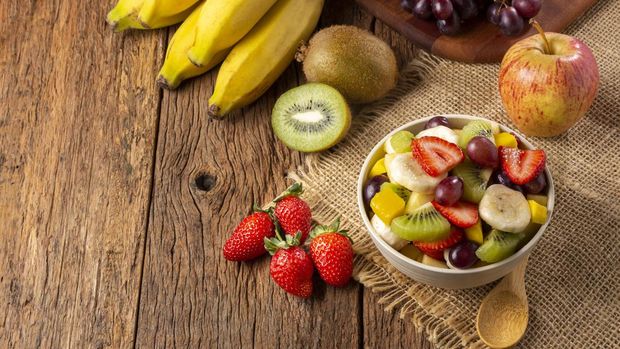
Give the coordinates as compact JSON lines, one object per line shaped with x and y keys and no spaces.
{"x":401,"y":141}
{"x":401,"y":191}
{"x":473,"y":129}
{"x":424,"y":224}
{"x":311,"y":117}
{"x":498,"y":245}
{"x":475,"y":180}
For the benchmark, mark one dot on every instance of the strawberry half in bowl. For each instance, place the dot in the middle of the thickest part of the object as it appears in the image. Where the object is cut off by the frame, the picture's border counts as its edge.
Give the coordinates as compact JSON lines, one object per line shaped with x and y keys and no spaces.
{"x":455,"y":201}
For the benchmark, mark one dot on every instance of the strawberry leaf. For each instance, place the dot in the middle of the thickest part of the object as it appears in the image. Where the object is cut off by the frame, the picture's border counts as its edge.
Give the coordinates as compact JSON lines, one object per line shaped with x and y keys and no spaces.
{"x":334,"y":227}
{"x":295,"y":189}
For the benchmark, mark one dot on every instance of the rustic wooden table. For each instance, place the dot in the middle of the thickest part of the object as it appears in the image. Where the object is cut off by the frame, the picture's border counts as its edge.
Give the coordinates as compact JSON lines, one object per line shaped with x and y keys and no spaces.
{"x":116,"y":197}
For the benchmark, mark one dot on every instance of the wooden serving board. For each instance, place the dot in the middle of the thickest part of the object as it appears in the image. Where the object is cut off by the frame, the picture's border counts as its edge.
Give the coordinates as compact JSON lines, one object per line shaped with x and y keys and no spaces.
{"x":481,"y":41}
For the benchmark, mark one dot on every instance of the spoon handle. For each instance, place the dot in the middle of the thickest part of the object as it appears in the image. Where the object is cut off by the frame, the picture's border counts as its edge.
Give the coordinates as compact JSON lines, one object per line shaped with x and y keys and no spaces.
{"x":515,"y":280}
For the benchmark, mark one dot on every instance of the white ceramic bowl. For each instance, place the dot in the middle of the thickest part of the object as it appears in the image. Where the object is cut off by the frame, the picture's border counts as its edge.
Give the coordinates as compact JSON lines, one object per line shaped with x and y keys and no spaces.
{"x":440,"y":277}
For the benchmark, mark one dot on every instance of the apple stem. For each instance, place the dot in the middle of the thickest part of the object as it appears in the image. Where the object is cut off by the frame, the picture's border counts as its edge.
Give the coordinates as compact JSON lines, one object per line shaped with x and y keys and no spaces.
{"x":538,"y":27}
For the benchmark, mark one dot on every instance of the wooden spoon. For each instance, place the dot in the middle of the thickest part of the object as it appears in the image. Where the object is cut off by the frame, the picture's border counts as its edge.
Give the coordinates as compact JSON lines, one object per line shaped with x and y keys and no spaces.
{"x":503,"y":314}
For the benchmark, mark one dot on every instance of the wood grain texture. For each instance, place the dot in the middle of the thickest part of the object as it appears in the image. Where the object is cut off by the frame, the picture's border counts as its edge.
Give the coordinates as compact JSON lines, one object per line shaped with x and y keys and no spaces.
{"x":386,"y":329}
{"x":193,"y":297}
{"x":481,"y":42}
{"x":78,"y":110}
{"x":115,"y":198}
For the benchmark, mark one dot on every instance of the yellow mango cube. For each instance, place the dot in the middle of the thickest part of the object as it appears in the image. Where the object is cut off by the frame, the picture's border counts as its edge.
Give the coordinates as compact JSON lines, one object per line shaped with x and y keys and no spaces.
{"x":505,"y":139}
{"x":538,"y":211}
{"x":378,"y":168}
{"x":387,"y":205}
{"x":474,"y":233}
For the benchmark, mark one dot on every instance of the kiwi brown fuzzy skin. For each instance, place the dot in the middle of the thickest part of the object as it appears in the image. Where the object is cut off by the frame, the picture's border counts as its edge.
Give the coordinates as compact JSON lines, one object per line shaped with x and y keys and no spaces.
{"x":358,"y":64}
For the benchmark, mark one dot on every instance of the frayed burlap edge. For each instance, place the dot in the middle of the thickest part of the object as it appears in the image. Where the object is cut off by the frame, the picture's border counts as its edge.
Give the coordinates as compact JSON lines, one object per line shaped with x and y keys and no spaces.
{"x":414,"y":300}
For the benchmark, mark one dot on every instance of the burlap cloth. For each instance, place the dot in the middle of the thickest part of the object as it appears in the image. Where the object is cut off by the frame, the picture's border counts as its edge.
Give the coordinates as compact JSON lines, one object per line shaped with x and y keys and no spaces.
{"x":573,"y":276}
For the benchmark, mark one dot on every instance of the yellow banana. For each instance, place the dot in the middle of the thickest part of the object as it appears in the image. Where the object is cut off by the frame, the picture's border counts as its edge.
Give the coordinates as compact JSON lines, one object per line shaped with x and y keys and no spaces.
{"x":222,"y":24}
{"x":162,"y":13}
{"x":125,"y":15}
{"x":149,"y":14}
{"x":177,"y":67}
{"x":263,"y":55}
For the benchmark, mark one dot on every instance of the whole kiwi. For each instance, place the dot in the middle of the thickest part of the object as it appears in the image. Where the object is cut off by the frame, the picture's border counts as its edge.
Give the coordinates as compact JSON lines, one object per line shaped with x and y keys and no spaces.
{"x":358,"y":64}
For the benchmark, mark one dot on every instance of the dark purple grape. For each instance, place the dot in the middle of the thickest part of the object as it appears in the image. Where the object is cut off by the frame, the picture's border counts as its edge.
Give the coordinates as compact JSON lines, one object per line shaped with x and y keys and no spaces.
{"x":500,"y":177}
{"x":422,"y":9}
{"x":483,"y":152}
{"x":451,"y":26}
{"x":373,"y":186}
{"x":463,"y":255}
{"x":407,"y":5}
{"x":482,"y":4}
{"x":527,"y":8}
{"x":493,"y":12}
{"x":536,"y":185}
{"x":437,"y":121}
{"x":467,"y":9}
{"x":510,"y":22}
{"x":449,"y":191}
{"x":442,"y":9}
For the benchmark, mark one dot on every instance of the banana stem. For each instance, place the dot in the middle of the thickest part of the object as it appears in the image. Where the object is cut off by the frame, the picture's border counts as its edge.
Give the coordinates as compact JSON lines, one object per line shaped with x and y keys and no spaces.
{"x":538,"y":27}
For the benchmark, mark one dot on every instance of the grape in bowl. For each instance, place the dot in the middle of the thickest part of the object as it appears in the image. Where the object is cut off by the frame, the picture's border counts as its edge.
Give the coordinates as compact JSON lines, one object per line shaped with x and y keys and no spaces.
{"x":500,"y":251}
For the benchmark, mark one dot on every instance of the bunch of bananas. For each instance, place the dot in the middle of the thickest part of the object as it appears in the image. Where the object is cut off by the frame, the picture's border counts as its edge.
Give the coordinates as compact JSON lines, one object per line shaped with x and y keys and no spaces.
{"x":255,"y":39}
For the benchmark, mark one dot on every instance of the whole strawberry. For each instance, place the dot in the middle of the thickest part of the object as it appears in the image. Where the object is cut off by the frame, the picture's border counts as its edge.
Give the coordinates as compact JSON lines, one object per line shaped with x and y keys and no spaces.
{"x":290,"y":267}
{"x":293,"y":213}
{"x":332,"y":253}
{"x":247,"y":241}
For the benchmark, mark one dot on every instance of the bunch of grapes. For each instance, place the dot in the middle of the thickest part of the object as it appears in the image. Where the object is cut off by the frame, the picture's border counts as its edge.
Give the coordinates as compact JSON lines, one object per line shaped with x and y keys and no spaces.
{"x":511,"y":17}
{"x":452,"y":14}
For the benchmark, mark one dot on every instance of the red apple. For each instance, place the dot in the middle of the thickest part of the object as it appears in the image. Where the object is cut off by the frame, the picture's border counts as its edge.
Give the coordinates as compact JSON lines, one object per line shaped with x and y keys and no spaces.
{"x":547,"y":82}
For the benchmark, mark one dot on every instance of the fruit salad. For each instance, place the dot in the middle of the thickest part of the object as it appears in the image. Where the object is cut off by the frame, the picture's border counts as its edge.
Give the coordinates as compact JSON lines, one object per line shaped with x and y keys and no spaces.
{"x":457,"y":198}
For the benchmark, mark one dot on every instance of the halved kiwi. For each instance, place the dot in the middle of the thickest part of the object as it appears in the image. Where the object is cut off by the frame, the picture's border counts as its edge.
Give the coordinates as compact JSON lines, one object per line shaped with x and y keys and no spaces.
{"x":498,"y":245}
{"x":473,"y":129}
{"x":424,"y":224}
{"x":311,"y":117}
{"x":475,"y":180}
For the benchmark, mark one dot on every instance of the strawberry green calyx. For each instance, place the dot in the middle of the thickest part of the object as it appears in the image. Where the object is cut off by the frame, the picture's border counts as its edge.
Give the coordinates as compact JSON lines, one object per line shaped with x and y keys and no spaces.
{"x":256,"y":208}
{"x":334,"y":227}
{"x":295,"y":189}
{"x":274,"y":244}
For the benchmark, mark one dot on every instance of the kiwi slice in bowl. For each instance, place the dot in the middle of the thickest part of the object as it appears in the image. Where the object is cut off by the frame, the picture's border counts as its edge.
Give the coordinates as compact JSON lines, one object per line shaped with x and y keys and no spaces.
{"x":424,"y":224}
{"x":311,"y":117}
{"x":475,"y":180}
{"x":400,"y":142}
{"x":474,"y":129}
{"x":498,"y":245}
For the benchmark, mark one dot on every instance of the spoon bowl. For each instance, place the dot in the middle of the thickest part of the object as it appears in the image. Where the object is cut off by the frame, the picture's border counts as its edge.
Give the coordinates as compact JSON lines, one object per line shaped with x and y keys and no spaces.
{"x":503,"y":314}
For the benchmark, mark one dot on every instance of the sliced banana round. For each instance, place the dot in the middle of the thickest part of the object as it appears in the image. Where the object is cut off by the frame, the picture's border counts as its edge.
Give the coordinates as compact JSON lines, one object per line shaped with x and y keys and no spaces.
{"x":443,"y":132}
{"x":403,"y":169}
{"x":386,"y":234}
{"x":505,"y":209}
